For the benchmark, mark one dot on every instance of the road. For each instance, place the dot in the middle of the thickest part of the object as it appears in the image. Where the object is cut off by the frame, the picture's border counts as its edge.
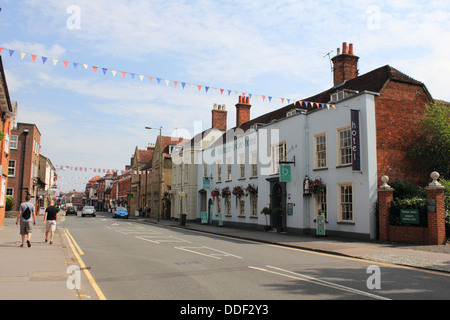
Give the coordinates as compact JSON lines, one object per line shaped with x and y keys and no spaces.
{"x":131,"y":260}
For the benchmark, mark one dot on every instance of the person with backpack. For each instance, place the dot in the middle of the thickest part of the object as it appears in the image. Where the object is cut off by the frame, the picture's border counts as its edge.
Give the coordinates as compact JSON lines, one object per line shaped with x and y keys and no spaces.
{"x":26,"y":214}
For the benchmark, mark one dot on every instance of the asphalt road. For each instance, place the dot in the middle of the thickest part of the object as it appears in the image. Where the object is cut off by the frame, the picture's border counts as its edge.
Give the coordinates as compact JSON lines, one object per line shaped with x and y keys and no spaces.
{"x":131,"y":260}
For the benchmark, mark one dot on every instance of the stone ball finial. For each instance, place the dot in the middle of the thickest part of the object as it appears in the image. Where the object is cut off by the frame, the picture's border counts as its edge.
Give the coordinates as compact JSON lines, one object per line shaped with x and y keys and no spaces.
{"x":385,"y":180}
{"x":435,"y":176}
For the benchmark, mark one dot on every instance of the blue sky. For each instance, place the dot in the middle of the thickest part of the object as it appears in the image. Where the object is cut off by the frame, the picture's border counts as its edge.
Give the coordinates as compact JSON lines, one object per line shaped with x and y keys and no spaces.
{"x":271,"y":48}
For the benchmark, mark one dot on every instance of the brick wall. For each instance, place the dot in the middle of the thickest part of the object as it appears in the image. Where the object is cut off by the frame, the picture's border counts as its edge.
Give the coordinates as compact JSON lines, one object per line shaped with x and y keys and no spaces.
{"x":398,"y":109}
{"x":434,"y":234}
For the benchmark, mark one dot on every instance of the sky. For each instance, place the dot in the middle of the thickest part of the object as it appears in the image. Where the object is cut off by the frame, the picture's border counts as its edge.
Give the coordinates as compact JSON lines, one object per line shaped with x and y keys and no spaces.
{"x":278,"y":49}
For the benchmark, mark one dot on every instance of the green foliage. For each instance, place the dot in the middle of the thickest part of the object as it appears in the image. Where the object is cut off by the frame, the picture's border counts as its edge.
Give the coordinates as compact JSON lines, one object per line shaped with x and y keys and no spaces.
{"x":405,"y":190}
{"x":9,"y":203}
{"x":433,"y":147}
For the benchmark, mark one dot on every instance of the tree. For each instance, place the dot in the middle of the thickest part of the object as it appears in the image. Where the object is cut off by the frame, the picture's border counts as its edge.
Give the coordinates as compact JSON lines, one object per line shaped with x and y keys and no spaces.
{"x":433,"y":147}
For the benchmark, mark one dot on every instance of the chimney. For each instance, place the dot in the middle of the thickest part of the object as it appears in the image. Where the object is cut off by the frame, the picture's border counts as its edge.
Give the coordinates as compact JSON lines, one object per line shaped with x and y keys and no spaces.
{"x":219,"y":117}
{"x":345,"y":65}
{"x":243,"y":110}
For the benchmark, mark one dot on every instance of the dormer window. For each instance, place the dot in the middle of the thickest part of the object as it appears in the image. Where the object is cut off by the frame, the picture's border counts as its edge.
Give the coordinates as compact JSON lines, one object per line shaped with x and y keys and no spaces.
{"x":341,"y":95}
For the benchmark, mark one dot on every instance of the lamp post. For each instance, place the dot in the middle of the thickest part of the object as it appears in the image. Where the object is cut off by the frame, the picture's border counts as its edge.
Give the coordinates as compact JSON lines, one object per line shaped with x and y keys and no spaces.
{"x":160,"y":167}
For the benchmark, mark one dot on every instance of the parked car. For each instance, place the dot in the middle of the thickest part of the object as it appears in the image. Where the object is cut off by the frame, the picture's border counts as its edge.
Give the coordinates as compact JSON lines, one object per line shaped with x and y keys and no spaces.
{"x":120,"y":212}
{"x":88,"y":210}
{"x":71,"y":210}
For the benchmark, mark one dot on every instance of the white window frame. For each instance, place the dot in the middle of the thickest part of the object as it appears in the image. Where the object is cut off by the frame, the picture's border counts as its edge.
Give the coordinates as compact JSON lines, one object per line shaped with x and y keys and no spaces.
{"x":278,"y":153}
{"x":219,"y":171}
{"x":229,"y":170}
{"x":14,"y":142}
{"x":320,"y":151}
{"x":321,"y":201}
{"x":241,"y":206}
{"x":241,"y":166}
{"x":253,"y":164}
{"x":12,"y":167}
{"x":343,"y":201}
{"x":253,"y":205}
{"x":344,"y":146}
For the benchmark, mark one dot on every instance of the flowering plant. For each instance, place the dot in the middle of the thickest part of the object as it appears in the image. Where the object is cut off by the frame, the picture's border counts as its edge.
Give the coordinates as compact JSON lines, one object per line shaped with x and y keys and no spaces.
{"x":251,"y":190}
{"x":316,"y":186}
{"x":215,"y":193}
{"x":226,"y":192}
{"x":238,"y":191}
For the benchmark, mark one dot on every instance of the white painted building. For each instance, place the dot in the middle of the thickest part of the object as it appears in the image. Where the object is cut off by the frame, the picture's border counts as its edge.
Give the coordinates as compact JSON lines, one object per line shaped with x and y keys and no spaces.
{"x":307,"y":141}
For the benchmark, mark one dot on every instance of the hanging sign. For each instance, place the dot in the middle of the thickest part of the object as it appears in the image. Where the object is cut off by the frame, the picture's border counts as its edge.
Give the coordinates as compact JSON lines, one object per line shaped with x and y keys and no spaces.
{"x":356,"y":146}
{"x":285,"y":173}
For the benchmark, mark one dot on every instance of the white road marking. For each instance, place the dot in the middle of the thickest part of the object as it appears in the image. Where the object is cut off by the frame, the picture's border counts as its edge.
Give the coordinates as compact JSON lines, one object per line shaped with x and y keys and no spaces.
{"x":302,"y":277}
{"x":217,"y":254}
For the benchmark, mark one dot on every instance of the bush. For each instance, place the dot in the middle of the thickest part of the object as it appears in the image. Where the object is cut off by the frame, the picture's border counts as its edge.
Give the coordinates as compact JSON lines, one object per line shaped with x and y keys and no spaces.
{"x":406,"y":190}
{"x":9,"y":203}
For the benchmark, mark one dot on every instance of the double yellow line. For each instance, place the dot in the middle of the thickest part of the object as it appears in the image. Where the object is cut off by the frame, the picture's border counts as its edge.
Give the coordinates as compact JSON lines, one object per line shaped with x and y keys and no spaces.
{"x":78,"y":253}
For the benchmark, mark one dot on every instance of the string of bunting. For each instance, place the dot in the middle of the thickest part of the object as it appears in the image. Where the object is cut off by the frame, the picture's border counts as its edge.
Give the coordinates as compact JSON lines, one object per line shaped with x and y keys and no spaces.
{"x":102,"y":170}
{"x":151,"y":79}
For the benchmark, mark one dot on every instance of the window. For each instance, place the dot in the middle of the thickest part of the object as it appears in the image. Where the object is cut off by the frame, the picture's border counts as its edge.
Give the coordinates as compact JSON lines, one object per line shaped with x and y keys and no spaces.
{"x":253,"y":205}
{"x":253,"y":164}
{"x":241,"y":166}
{"x":321,"y":203}
{"x":241,"y":206}
{"x":3,"y":192}
{"x":219,"y":172}
{"x":278,"y":154}
{"x":14,"y":142}
{"x":218,"y":205}
{"x":320,"y":151}
{"x":227,"y":206}
{"x":345,"y":203}
{"x":205,"y":170}
{"x":12,"y":168}
{"x":229,"y":168}
{"x":10,"y":192}
{"x":344,"y":147}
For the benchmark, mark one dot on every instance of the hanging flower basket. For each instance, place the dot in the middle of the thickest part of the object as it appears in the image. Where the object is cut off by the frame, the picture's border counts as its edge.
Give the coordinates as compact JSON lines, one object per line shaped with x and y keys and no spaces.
{"x":316,"y":186}
{"x":226,"y":192}
{"x":251,"y":190}
{"x":215,"y":193}
{"x":238,"y":191}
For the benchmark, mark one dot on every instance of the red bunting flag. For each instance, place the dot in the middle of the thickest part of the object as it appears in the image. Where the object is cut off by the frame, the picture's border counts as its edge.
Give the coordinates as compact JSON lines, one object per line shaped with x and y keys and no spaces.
{"x":95,"y":69}
{"x":33,"y":57}
{"x":123,"y":74}
{"x":65,"y":63}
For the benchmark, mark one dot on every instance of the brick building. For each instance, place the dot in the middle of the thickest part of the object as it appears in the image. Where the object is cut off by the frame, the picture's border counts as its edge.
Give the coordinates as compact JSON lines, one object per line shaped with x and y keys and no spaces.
{"x":398,"y":107}
{"x":23,"y":164}
{"x":7,"y":114}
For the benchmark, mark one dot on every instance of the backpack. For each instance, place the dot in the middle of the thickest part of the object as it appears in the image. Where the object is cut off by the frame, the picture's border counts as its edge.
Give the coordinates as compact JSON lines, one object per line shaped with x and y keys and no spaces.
{"x":26,"y":213}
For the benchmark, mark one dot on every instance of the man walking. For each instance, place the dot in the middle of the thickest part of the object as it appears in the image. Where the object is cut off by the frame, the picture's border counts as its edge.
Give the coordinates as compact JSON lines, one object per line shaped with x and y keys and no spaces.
{"x":50,"y":218}
{"x":26,"y":215}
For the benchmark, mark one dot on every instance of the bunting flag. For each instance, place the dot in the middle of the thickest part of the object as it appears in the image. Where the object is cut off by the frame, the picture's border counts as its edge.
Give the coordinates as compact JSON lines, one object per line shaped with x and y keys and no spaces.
{"x":175,"y":83}
{"x":100,"y":170}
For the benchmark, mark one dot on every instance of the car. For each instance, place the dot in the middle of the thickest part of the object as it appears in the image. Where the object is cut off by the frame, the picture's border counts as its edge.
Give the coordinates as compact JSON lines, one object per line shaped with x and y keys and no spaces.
{"x":71,"y":210}
{"x":88,"y":210}
{"x":120,"y":212}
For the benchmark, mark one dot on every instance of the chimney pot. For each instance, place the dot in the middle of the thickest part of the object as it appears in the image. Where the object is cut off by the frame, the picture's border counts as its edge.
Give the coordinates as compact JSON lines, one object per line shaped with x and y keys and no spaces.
{"x":350,"y":48}
{"x":344,"y":48}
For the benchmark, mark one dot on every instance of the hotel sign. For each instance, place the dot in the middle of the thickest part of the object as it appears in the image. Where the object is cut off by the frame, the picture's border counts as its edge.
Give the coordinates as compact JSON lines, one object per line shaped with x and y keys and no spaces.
{"x":356,"y":145}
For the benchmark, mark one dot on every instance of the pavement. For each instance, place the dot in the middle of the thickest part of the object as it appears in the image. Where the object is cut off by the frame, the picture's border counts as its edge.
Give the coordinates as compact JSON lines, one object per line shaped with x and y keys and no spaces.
{"x":41,"y":271}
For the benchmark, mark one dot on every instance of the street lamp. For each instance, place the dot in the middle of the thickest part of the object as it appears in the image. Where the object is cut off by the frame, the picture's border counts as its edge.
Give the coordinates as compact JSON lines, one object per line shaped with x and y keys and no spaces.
{"x":160,"y":166}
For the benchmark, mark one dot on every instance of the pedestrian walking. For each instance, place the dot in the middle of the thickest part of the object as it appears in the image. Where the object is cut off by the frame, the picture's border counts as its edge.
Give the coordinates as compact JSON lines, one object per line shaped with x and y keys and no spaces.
{"x":50,"y":218}
{"x":27,"y":214}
